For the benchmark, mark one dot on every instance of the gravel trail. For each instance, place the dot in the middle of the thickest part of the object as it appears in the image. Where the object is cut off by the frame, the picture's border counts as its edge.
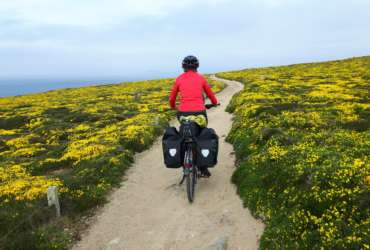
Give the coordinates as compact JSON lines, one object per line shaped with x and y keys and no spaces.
{"x":151,"y":211}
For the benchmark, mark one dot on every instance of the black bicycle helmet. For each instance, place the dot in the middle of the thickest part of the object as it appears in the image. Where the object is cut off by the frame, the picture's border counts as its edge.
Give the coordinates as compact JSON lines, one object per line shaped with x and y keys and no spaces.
{"x":190,"y":62}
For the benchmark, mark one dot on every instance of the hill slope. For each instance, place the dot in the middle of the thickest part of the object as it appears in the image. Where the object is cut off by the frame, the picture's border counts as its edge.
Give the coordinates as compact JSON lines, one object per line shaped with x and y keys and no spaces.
{"x":81,"y":140}
{"x":301,"y":136}
{"x":302,"y":140}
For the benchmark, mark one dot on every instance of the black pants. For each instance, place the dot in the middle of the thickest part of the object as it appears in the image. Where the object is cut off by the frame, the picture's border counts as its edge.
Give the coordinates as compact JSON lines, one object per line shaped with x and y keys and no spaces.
{"x":202,"y":112}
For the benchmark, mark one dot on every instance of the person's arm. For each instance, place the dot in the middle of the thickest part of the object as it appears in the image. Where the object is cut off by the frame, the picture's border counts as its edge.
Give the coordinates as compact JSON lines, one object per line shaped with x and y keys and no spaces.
{"x":209,"y":92}
{"x":173,"y":95}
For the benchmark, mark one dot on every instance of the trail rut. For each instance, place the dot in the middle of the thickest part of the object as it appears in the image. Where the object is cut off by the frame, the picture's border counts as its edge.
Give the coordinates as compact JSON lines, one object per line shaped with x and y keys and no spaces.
{"x":151,"y":211}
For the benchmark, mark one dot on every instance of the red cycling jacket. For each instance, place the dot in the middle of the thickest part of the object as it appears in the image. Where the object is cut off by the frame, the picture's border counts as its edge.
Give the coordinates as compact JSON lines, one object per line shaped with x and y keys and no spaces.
{"x":191,"y":86}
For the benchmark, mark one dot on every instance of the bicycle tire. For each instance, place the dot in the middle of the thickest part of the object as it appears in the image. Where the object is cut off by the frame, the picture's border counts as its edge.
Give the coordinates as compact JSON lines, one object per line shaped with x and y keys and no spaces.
{"x":191,"y":180}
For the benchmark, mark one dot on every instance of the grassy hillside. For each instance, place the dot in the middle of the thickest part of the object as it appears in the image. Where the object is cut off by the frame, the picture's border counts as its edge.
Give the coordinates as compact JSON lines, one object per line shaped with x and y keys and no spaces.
{"x":81,"y":140}
{"x":302,"y":140}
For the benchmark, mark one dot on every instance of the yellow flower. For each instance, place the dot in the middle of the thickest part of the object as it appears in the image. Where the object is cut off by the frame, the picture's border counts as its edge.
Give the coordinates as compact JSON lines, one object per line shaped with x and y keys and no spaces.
{"x":367,"y":180}
{"x":18,"y":184}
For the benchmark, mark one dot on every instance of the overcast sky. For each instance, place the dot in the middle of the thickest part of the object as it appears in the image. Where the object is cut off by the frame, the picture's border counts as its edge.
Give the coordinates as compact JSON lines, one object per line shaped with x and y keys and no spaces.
{"x":148,"y":38}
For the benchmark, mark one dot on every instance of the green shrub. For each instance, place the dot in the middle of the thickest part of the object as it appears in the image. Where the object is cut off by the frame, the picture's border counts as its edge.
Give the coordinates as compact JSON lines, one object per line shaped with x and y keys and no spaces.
{"x":81,"y":140}
{"x":302,"y":141}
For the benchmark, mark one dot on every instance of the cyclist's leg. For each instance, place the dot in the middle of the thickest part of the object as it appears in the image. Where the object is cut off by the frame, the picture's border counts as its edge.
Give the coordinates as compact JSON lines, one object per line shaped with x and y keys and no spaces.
{"x":204,"y":172}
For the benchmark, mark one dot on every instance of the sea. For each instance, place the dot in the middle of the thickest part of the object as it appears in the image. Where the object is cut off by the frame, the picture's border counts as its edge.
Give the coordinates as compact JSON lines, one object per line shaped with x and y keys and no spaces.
{"x":15,"y":87}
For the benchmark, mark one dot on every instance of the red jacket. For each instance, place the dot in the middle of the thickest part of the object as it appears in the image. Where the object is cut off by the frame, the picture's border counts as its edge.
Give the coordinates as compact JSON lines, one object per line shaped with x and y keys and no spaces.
{"x":191,"y":86}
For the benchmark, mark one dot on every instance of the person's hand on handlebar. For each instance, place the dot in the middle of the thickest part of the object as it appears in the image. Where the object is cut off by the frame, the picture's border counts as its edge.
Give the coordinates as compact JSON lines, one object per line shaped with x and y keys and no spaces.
{"x":208,"y":106}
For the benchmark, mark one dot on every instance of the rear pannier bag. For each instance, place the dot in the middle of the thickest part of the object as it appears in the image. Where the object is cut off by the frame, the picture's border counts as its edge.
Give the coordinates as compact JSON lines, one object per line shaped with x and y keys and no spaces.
{"x":207,"y":148}
{"x":172,"y":148}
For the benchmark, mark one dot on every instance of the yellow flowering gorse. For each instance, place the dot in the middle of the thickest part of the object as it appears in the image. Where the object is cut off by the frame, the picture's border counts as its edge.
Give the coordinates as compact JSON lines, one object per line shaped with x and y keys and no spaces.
{"x":80,"y":140}
{"x":302,"y":137}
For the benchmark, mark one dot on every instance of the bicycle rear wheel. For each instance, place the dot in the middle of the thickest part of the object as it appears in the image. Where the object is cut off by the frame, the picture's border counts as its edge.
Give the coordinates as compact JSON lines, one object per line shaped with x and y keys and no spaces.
{"x":191,"y":180}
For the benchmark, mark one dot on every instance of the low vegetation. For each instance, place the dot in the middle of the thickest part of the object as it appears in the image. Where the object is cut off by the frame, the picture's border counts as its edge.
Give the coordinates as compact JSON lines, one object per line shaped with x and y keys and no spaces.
{"x":81,"y":140}
{"x":302,"y":140}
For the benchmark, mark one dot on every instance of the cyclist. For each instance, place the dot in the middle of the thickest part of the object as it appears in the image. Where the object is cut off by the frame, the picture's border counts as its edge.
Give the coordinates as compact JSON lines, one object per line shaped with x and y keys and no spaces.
{"x":191,"y":86}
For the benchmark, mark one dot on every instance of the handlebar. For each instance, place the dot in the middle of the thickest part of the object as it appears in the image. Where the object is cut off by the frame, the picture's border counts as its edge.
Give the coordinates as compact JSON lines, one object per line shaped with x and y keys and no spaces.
{"x":209,"y":106}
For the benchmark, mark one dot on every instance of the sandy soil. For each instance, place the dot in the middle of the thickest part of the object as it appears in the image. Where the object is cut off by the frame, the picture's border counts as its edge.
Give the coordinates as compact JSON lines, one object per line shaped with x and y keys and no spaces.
{"x":151,"y":211}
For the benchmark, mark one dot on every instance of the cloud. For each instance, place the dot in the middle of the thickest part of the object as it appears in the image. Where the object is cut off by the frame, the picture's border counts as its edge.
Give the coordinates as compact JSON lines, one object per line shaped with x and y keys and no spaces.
{"x":112,"y":37}
{"x":274,"y":3}
{"x":90,"y":14}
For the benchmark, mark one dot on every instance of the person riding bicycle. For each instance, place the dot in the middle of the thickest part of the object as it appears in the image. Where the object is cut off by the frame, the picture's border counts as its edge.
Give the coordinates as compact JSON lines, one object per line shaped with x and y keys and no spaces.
{"x":191,"y":86}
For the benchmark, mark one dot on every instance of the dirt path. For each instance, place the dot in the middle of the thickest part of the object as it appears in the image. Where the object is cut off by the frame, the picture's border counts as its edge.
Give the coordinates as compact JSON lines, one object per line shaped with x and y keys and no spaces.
{"x":150,"y":210}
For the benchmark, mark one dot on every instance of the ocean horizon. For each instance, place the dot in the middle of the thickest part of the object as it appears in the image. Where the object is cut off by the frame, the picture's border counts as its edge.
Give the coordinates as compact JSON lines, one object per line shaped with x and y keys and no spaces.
{"x":17,"y":87}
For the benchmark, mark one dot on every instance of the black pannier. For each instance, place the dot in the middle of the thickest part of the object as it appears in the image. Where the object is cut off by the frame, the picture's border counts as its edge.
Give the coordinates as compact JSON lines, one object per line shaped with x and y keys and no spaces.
{"x":172,"y":148}
{"x":207,"y":148}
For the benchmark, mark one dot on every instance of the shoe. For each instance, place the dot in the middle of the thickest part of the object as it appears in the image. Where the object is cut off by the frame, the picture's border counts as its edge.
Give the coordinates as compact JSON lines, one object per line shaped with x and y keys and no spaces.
{"x":204,"y":173}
